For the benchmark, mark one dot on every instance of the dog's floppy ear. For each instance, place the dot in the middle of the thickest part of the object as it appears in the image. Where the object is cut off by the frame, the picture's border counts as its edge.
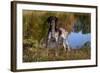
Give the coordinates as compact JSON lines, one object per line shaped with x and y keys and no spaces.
{"x":55,"y":18}
{"x":49,"y":19}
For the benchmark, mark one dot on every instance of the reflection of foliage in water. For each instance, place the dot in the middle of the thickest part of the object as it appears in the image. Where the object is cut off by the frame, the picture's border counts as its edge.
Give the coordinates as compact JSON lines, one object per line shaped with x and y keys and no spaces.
{"x":83,"y":23}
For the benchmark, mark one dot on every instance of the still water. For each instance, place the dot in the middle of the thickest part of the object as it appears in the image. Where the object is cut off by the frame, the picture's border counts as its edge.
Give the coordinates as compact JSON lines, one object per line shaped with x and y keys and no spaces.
{"x":77,"y":40}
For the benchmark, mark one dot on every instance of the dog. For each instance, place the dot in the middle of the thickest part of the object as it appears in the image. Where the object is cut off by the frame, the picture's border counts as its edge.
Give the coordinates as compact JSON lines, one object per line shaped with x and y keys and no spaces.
{"x":56,"y":35}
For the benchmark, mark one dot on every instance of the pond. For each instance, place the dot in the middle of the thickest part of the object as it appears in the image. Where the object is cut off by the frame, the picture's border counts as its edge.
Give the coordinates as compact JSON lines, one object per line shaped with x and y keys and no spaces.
{"x":78,"y":39}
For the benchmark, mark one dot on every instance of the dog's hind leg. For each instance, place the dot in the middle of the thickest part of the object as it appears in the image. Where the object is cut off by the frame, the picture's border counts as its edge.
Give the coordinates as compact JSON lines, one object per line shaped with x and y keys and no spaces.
{"x":64,"y":45}
{"x":68,"y":45}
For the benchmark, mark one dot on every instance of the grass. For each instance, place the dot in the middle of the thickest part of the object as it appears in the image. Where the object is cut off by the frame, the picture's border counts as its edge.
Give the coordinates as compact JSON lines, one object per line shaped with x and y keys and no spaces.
{"x":44,"y":54}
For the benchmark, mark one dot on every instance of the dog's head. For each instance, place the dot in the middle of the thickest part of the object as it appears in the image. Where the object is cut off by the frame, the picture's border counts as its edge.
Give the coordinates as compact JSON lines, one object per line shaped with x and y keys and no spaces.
{"x":52,"y":20}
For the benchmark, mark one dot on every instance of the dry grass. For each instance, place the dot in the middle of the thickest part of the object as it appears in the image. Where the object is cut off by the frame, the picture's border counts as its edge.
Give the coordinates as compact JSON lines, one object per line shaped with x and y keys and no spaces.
{"x":43,"y":54}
